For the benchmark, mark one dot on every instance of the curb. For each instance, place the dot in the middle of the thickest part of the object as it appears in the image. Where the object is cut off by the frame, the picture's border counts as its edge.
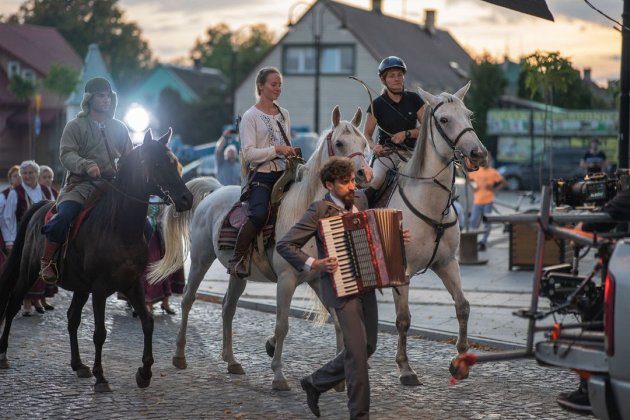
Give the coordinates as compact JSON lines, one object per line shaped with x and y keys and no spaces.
{"x":383,"y":326}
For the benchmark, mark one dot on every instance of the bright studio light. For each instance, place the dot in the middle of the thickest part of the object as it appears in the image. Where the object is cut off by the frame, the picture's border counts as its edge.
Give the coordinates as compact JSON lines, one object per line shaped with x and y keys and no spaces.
{"x":137,"y":118}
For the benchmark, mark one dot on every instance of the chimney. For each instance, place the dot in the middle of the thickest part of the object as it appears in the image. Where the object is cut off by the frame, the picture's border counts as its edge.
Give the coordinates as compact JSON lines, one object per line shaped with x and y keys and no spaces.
{"x":376,"y":6}
{"x":429,"y":21}
{"x":587,"y":74}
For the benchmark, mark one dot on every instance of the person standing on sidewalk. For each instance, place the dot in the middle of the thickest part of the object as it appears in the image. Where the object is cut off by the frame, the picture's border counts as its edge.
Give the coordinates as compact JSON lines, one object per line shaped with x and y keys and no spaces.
{"x":358,"y":314}
{"x":484,"y":183}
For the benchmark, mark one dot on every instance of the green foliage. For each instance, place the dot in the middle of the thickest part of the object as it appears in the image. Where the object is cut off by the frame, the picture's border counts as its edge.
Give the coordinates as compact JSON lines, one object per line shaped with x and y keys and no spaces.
{"x":233,"y":52}
{"x":61,"y":80}
{"x":22,"y":88}
{"x":550,"y":78}
{"x":487,"y":85}
{"x":83,"y":22}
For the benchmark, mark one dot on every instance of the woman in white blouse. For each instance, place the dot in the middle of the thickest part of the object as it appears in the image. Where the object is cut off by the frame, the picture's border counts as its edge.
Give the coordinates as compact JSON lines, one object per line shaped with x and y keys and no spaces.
{"x":265,"y":143}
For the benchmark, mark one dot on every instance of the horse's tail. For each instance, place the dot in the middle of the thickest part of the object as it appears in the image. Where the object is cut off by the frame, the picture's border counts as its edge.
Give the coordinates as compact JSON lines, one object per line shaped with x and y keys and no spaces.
{"x":175,"y":231}
{"x":317,"y":311}
{"x":10,"y":273}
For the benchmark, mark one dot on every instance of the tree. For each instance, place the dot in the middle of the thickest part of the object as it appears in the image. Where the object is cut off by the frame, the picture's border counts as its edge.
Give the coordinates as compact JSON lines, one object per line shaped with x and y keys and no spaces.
{"x":83,"y":22}
{"x":564,"y":86}
{"x":22,"y":88}
{"x":487,"y":85}
{"x":233,"y":52}
{"x":61,"y":80}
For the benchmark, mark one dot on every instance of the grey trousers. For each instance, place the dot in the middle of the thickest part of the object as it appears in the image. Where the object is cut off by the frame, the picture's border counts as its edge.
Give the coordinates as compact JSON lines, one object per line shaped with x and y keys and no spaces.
{"x":358,"y":319}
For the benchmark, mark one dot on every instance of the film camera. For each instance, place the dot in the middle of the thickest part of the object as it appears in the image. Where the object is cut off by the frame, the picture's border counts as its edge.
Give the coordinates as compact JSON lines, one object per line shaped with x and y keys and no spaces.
{"x":591,"y":190}
{"x":558,"y":285}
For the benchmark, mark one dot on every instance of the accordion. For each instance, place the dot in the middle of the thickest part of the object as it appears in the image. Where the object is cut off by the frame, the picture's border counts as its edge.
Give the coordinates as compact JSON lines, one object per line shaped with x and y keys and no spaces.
{"x":369,"y":248}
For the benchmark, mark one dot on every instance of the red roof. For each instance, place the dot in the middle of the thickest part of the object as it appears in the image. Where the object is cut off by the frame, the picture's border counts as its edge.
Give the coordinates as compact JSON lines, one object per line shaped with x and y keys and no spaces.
{"x":38,"y":46}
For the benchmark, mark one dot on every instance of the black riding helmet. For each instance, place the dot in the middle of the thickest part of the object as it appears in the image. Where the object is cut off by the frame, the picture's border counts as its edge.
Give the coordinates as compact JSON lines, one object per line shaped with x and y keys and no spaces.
{"x":391,"y":62}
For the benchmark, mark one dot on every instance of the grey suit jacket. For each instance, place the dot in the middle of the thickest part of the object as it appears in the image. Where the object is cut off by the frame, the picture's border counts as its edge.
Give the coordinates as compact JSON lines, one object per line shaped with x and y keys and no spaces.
{"x":290,"y":246}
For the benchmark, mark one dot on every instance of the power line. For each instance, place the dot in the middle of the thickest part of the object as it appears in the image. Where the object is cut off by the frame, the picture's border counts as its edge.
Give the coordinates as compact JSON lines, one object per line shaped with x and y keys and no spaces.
{"x":606,"y":16}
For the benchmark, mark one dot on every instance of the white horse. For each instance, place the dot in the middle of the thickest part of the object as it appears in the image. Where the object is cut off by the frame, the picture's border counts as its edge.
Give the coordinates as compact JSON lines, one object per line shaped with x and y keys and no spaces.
{"x":343,"y":139}
{"x":424,"y":194}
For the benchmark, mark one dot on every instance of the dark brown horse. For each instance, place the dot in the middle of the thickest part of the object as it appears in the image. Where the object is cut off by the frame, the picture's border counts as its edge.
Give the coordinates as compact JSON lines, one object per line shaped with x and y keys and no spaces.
{"x":108,"y":254}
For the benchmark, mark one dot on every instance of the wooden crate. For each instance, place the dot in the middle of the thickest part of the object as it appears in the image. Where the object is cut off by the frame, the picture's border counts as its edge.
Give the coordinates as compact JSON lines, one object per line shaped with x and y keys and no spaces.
{"x":523,"y":238}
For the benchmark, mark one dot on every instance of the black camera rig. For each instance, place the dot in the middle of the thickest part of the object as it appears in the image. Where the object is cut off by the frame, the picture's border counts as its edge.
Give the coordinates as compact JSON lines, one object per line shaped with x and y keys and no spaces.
{"x":589,"y":191}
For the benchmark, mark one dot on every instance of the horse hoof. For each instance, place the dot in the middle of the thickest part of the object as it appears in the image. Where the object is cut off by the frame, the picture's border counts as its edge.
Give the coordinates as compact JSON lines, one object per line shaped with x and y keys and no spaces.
{"x":141,"y":381}
{"x":236,"y":369}
{"x":459,"y":370}
{"x":179,"y":362}
{"x":410,"y":380}
{"x":340,"y":387}
{"x":4,"y":364}
{"x":280,"y":385}
{"x":102,"y":387}
{"x":271,"y":349}
{"x":83,"y":372}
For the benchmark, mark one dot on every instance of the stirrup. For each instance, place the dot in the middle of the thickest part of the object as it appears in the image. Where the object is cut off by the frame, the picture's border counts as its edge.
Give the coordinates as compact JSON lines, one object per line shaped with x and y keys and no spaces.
{"x":238,"y":268}
{"x":47,"y":279}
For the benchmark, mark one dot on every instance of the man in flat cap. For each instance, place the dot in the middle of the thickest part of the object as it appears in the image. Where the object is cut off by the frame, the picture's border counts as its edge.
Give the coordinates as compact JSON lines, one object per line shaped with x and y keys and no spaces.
{"x":90,"y":146}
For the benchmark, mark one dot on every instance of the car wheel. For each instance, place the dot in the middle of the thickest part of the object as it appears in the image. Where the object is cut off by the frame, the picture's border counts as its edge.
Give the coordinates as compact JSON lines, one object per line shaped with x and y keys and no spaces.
{"x":513,"y":183}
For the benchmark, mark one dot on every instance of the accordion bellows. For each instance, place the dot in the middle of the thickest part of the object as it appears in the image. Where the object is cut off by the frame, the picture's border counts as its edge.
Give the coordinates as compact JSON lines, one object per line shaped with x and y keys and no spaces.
{"x":369,"y":248}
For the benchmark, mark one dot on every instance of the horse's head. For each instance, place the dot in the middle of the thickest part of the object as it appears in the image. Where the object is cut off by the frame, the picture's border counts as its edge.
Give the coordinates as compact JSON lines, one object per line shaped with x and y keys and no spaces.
{"x":451,"y":119}
{"x":161,"y":172}
{"x":345,"y":139}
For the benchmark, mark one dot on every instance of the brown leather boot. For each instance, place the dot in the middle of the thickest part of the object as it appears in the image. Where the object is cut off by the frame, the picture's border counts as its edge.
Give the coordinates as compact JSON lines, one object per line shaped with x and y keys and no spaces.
{"x":239,"y":263}
{"x":48,"y":268}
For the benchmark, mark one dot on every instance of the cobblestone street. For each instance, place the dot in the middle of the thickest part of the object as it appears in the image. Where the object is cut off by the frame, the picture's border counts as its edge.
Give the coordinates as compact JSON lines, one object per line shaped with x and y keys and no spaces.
{"x":41,"y":384}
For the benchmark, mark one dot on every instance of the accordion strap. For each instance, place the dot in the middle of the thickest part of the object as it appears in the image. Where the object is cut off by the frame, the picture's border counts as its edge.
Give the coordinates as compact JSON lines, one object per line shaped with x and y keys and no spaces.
{"x":438,"y":227}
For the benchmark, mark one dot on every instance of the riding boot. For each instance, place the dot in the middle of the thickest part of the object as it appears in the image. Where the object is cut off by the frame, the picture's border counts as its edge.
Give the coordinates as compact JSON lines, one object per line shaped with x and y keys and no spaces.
{"x":239,"y":263}
{"x":48,"y":268}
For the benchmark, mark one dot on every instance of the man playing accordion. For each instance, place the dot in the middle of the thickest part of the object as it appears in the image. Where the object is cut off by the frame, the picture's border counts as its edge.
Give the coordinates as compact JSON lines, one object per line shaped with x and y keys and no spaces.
{"x":357,"y":314}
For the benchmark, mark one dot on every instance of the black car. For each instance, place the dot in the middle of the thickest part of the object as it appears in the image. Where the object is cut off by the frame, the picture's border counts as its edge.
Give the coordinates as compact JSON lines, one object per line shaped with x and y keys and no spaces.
{"x":520,"y":176}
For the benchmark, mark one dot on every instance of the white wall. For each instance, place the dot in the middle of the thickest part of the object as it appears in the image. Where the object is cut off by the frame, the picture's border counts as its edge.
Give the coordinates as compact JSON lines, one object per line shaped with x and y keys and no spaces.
{"x":298,"y":91}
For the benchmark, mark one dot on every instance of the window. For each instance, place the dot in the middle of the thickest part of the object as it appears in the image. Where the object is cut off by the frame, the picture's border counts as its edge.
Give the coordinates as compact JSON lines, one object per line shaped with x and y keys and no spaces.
{"x":334,"y":60}
{"x":13,"y":68}
{"x":28,"y":74}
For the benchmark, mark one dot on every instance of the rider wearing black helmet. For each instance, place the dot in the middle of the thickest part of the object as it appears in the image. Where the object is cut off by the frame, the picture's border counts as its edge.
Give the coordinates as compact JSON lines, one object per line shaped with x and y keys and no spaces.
{"x":396,"y":113}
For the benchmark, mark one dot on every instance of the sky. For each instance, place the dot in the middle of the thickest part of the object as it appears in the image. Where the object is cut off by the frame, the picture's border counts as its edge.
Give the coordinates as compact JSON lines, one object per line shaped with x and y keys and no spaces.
{"x":171,"y":26}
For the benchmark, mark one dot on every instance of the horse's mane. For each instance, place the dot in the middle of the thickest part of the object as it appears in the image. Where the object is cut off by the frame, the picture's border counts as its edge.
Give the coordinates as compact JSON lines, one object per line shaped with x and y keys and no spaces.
{"x":108,"y":209}
{"x":413,"y":168}
{"x":307,"y":183}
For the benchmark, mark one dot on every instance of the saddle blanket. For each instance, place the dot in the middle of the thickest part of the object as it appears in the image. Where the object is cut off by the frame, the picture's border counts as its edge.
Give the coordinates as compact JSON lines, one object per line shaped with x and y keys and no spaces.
{"x":232,"y":223}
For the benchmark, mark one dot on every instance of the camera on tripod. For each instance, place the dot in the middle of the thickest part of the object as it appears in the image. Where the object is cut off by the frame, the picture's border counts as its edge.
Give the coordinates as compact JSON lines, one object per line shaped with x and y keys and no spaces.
{"x":591,"y":190}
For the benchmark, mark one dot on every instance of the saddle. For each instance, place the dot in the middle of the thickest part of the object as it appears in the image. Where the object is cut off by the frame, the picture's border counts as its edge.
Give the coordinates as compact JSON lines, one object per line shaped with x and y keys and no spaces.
{"x":265,"y":240}
{"x":74,"y":227}
{"x":384,"y":194}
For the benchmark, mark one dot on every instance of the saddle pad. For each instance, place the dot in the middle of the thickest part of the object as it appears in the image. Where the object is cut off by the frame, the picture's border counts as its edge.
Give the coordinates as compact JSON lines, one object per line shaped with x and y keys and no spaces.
{"x":232,"y":224}
{"x":78,"y":221}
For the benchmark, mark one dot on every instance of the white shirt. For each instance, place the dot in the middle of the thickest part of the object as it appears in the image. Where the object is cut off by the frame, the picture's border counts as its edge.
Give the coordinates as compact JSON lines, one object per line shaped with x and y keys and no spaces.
{"x":259,"y":133}
{"x":339,"y":203}
{"x":9,"y":228}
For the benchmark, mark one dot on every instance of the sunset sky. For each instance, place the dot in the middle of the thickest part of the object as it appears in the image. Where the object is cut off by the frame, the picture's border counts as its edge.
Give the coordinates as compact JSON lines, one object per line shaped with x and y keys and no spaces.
{"x":171,"y":26}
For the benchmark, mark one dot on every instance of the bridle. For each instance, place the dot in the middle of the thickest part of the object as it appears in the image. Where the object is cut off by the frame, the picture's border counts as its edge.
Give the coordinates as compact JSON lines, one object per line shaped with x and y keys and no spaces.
{"x":165,"y":194}
{"x":331,"y":148}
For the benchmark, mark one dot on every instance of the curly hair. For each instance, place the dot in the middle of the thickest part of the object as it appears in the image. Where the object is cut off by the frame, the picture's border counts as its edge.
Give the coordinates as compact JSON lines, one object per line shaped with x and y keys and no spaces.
{"x":336,"y":168}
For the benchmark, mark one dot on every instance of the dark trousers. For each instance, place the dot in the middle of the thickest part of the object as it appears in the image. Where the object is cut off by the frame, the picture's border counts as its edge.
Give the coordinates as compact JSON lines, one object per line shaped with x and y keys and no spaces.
{"x":57,"y":229}
{"x":358,"y":319}
{"x":260,"y":196}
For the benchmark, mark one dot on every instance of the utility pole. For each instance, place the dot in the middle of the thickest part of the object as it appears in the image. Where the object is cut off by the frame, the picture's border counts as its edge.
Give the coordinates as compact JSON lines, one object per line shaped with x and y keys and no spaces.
{"x":624,"y":85}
